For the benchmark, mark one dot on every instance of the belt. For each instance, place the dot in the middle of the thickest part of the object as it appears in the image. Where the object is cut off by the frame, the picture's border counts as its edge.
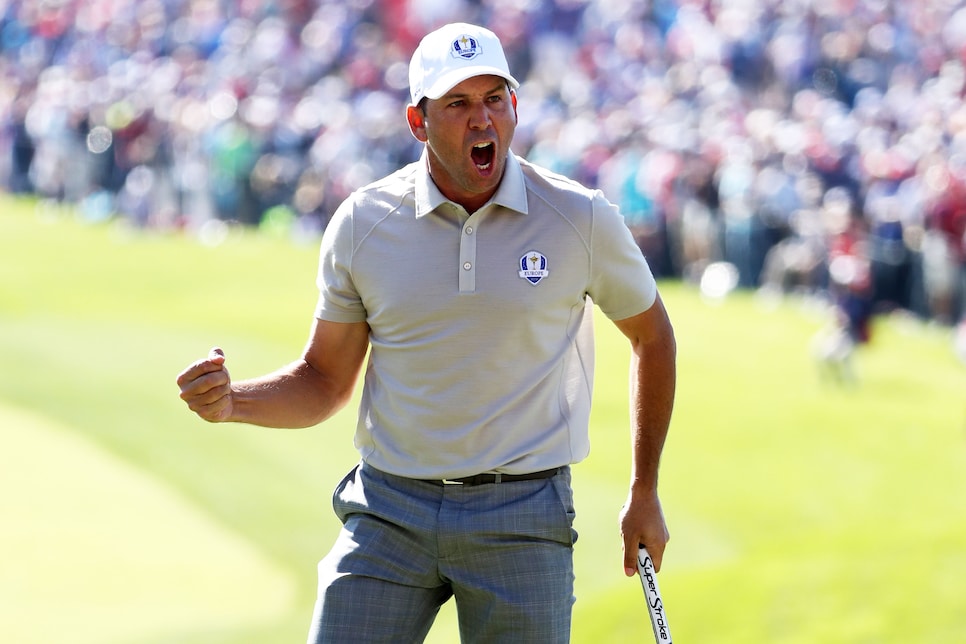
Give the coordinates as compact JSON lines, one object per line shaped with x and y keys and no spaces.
{"x":485,"y":479}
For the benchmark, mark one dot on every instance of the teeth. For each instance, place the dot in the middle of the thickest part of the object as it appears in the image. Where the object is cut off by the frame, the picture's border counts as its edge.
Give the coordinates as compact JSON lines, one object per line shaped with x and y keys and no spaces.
{"x":481,"y":146}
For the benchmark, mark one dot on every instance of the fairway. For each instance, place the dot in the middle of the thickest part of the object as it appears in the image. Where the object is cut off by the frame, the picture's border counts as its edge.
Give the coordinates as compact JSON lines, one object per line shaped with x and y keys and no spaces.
{"x":801,"y":511}
{"x":89,"y":537}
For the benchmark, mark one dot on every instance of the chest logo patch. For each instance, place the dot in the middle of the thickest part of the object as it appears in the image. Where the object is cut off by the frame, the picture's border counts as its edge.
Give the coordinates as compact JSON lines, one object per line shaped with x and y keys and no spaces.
{"x":533,"y":267}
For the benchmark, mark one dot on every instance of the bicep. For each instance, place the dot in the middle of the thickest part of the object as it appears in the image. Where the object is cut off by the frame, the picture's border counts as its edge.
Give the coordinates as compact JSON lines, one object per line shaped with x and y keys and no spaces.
{"x":336,"y":351}
{"x":649,"y":327}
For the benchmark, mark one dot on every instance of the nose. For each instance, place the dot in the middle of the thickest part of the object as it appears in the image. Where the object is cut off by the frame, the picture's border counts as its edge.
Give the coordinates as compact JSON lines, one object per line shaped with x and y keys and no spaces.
{"x":479,"y":116}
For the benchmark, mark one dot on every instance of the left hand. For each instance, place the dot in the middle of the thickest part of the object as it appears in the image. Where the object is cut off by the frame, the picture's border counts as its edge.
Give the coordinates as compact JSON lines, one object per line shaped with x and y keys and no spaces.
{"x":642,"y":522}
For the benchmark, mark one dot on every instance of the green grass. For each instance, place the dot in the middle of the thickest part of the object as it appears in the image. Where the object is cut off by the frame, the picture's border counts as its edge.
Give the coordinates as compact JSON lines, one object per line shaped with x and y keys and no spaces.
{"x":800,"y":511}
{"x":89,"y":537}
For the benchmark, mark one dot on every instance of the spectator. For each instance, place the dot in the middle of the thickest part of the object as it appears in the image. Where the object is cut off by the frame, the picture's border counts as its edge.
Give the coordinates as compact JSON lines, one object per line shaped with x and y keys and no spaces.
{"x":763,"y":96}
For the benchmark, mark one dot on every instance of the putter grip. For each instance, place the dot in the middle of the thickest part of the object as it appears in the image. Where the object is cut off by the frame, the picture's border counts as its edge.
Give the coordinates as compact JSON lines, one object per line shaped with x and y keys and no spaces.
{"x":652,"y":594}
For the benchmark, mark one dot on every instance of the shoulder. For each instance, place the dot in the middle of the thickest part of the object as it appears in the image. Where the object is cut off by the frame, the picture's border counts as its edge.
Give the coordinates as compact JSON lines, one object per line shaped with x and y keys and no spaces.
{"x":579,"y":204}
{"x":585,"y":208}
{"x":365,"y":208}
{"x":382,"y":196}
{"x":552,"y":186}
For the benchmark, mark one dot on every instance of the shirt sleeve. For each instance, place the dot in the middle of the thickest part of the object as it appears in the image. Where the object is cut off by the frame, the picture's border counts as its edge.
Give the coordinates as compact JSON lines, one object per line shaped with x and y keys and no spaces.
{"x":622,"y":284}
{"x":339,"y":301}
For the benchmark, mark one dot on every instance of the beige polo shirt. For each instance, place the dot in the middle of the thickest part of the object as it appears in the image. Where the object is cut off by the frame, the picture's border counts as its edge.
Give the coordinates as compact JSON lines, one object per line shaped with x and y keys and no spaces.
{"x":481,"y":342}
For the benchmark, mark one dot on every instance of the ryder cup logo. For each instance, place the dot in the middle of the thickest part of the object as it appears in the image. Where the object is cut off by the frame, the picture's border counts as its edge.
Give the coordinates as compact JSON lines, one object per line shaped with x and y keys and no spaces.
{"x":533,"y":267}
{"x":465,"y":47}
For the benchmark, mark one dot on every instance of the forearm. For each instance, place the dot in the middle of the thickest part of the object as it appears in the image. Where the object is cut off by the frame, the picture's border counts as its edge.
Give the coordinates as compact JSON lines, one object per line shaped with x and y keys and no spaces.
{"x":653,"y":383}
{"x":294,"y":396}
{"x":653,"y":375}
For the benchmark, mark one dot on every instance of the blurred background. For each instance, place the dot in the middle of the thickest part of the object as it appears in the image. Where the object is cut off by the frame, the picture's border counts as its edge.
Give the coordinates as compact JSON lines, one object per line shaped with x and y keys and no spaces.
{"x":785,"y":138}
{"x":795,"y":172}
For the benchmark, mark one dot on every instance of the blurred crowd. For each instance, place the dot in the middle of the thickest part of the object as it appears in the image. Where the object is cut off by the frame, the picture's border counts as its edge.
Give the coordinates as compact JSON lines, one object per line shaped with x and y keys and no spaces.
{"x":810,"y":145}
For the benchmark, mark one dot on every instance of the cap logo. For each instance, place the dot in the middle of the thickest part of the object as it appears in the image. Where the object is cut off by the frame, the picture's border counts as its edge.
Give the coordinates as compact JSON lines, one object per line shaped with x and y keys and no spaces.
{"x":465,"y":47}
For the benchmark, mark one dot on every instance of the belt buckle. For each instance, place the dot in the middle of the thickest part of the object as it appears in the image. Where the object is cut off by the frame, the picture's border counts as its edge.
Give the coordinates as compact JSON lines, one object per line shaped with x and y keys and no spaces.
{"x":451,"y":482}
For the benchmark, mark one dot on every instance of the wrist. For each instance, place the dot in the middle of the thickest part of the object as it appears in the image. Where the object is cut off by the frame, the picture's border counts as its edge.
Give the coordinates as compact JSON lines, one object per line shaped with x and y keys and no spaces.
{"x":643,"y":485}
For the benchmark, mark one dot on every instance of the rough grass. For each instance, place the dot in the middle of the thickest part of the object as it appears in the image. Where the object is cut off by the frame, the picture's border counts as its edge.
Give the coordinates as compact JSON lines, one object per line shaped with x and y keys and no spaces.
{"x":800,"y":511}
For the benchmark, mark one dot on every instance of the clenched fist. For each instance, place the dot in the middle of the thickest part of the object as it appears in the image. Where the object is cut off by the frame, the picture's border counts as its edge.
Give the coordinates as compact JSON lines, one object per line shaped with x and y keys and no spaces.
{"x":206,"y":387}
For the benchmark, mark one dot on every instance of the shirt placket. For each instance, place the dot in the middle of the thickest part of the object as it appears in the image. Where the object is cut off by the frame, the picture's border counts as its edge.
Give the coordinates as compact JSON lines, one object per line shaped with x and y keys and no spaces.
{"x":467,"y":269}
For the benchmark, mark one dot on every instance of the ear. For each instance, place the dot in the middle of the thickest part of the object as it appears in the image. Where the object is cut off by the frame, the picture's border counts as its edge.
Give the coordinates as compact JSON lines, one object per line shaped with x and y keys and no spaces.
{"x":417,"y":122}
{"x":513,"y":100}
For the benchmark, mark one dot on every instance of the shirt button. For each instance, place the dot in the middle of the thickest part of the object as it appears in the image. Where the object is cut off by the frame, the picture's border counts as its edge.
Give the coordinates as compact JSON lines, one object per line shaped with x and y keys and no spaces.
{"x":467,"y":266}
{"x":468,"y":230}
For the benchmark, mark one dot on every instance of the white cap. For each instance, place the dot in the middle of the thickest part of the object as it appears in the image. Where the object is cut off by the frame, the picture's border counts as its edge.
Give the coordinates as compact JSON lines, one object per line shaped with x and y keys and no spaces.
{"x":451,"y":54}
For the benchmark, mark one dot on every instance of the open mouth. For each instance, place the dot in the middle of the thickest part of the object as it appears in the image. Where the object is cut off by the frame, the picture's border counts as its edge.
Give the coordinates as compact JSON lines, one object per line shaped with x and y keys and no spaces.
{"x":482,"y":155}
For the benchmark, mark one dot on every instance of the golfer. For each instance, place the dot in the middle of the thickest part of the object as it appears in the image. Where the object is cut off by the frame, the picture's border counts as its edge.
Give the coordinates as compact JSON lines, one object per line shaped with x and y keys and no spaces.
{"x":470,"y":277}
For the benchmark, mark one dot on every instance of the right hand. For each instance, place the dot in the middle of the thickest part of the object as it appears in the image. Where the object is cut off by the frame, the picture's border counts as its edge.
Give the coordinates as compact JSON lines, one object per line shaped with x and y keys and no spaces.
{"x":206,"y":387}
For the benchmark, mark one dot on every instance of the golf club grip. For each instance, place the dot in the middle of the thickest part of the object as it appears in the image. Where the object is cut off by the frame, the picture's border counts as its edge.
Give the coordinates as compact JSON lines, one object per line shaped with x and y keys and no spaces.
{"x":652,"y":594}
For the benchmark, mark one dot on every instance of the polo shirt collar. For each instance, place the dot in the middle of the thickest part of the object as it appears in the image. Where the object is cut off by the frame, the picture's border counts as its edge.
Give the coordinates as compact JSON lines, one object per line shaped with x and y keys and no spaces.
{"x":511,"y":193}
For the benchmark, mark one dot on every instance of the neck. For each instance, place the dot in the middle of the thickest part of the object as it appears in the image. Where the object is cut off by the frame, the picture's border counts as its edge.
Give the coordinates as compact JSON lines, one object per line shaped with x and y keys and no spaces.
{"x":471,"y":202}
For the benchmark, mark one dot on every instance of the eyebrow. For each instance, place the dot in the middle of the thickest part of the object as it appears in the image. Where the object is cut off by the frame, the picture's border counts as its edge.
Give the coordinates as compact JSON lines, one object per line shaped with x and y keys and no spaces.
{"x":496,"y":88}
